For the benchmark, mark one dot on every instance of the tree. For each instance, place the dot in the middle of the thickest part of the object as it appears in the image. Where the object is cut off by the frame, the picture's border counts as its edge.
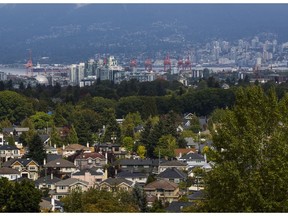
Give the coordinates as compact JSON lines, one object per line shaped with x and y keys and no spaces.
{"x":128,"y":143}
{"x":41,"y":120}
{"x":55,"y":137}
{"x":72,"y":137}
{"x":140,"y":198}
{"x":166,"y":146}
{"x":13,"y":196}
{"x":250,"y":156}
{"x":141,"y":151}
{"x":36,"y":149}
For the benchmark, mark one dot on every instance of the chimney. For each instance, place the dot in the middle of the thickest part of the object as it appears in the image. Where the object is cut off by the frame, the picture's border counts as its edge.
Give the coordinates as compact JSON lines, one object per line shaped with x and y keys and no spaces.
{"x":53,"y":204}
{"x":180,"y":154}
{"x":44,"y":161}
{"x":87,"y":145}
{"x":106,"y":157}
{"x":63,"y":147}
{"x":51,"y":175}
{"x":205,"y":158}
{"x":55,"y":146}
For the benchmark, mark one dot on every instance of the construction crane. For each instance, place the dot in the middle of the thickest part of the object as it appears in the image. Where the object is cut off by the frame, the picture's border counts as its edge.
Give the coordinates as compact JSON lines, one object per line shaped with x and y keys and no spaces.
{"x":188,"y":64}
{"x":180,"y":64}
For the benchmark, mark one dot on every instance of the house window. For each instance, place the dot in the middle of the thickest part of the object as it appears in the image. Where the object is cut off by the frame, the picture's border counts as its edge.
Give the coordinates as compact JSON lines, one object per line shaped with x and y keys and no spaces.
{"x":62,"y":187}
{"x":15,"y":151}
{"x":59,"y":196}
{"x":116,"y":149}
{"x":32,"y":168}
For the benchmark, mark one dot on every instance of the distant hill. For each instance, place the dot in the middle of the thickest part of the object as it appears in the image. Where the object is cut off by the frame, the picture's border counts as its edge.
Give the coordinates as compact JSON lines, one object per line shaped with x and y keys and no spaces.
{"x":69,"y":32}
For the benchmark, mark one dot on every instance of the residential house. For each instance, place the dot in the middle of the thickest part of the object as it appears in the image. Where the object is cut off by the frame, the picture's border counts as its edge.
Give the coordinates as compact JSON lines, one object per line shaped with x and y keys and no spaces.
{"x":8,"y":152}
{"x":28,"y":168}
{"x":172,"y":164}
{"x":48,"y":204}
{"x":60,"y":167}
{"x":164,"y":190}
{"x":179,"y":152}
{"x":16,"y":131}
{"x":50,"y":149}
{"x":193,"y":159}
{"x":92,"y":176}
{"x":64,"y":187}
{"x":47,"y":181}
{"x":172,"y":175}
{"x":9,"y":173}
{"x":135,"y":177}
{"x":114,"y":184}
{"x":89,"y":160}
{"x":111,"y":149}
{"x":74,"y":148}
{"x":191,"y":143}
{"x":45,"y":138}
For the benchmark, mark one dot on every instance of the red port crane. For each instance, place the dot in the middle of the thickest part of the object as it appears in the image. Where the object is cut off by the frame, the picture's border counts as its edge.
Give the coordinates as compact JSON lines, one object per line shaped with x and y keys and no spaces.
{"x":167,"y":63}
{"x":29,"y":65}
{"x":148,"y":65}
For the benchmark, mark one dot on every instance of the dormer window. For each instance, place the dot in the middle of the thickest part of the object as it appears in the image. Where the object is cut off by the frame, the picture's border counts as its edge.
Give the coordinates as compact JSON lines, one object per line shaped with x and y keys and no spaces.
{"x":89,"y":161}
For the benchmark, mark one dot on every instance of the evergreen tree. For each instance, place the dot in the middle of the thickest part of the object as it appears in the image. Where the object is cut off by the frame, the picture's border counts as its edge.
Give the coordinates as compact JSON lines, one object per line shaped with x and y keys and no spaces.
{"x":72,"y":137}
{"x":250,"y":156}
{"x":36,"y":149}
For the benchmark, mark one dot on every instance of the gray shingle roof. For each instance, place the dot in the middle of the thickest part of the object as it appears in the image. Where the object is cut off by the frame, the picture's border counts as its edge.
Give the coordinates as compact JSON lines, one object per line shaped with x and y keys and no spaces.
{"x":24,"y":162}
{"x":193,"y":156}
{"x":197,"y":195}
{"x":172,"y":173}
{"x":8,"y":147}
{"x":47,"y":180}
{"x":51,"y":157}
{"x":7,"y":170}
{"x":93,"y":172}
{"x":117,"y":181}
{"x":70,"y":181}
{"x":60,"y":163}
{"x":173,"y":163}
{"x":177,"y":206}
{"x":126,"y":174}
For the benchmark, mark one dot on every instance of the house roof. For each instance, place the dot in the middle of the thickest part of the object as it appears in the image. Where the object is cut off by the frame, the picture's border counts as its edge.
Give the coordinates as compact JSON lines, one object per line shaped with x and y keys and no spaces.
{"x":127,"y":174}
{"x":47,"y":180}
{"x":24,"y":162}
{"x":8,"y":147}
{"x":60,"y":163}
{"x":183,"y":151}
{"x":70,"y":181}
{"x":193,"y":156}
{"x":90,"y":155}
{"x":117,"y":181}
{"x":75,"y":147}
{"x":197,"y":195}
{"x":172,"y":173}
{"x":44,"y":137}
{"x":17,"y":129}
{"x":51,"y":157}
{"x":173,"y":163}
{"x":161,"y":184}
{"x":190,"y":141}
{"x":132,"y":162}
{"x":93,"y":172}
{"x":176,"y":206}
{"x":7,"y":170}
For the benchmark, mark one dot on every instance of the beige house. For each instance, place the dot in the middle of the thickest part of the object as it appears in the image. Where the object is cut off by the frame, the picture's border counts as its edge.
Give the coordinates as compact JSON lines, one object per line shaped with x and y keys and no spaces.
{"x":27,"y":167}
{"x":92,"y":176}
{"x":115,"y":184}
{"x":9,"y":173}
{"x":172,"y":164}
{"x":8,"y":152}
{"x":89,"y":160}
{"x":73,"y":148}
{"x":163,"y":190}
{"x":60,"y":167}
{"x":64,"y":187}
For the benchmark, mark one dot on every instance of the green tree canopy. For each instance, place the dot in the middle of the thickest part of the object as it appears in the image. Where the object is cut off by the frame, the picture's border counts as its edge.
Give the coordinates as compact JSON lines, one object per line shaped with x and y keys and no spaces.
{"x":36,"y":149}
{"x":250,"y":156}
